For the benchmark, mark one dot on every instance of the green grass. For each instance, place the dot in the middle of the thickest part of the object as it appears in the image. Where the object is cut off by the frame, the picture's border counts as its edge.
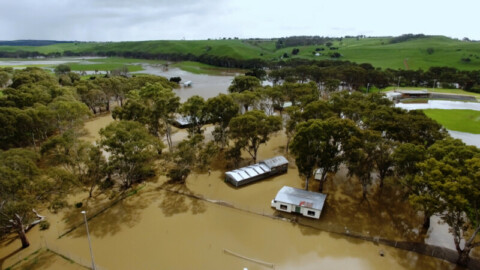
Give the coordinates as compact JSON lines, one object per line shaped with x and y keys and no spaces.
{"x":458,"y":120}
{"x":199,"y":68}
{"x":103,"y":67}
{"x":377,"y":51}
{"x":436,"y":90}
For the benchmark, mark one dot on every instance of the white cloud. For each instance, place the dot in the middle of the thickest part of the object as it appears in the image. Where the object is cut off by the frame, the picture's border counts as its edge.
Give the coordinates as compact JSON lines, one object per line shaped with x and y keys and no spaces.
{"x":115,"y":20}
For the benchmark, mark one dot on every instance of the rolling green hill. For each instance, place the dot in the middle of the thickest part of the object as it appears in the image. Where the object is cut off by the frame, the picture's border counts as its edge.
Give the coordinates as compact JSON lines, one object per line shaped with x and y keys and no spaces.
{"x":417,"y":53}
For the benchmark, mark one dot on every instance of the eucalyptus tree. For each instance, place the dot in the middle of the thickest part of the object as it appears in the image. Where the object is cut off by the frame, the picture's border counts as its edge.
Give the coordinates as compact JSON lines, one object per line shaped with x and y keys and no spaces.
{"x":154,"y":105}
{"x":321,"y":144}
{"x":132,"y":151}
{"x":252,"y":129}
{"x":243,"y":83}
{"x":23,"y":187}
{"x":220,"y":110}
{"x":195,"y":111}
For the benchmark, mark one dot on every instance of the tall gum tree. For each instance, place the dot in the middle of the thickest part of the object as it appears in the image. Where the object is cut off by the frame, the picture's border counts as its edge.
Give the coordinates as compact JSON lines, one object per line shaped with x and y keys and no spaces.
{"x":252,"y":129}
{"x":23,"y":187}
{"x":320,"y":144}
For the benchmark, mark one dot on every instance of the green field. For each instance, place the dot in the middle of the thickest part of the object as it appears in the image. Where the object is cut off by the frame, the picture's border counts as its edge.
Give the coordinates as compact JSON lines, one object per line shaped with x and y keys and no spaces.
{"x":199,"y":68}
{"x":102,"y":67}
{"x":458,"y":120}
{"x":377,"y":51}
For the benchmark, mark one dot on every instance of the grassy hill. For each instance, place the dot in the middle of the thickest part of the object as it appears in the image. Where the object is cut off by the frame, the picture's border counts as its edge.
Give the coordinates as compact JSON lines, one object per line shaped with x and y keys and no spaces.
{"x":413,"y":54}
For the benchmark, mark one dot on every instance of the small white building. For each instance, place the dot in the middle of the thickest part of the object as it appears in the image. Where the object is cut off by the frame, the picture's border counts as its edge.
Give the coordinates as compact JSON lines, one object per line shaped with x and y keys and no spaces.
{"x":187,"y":84}
{"x":307,"y":203}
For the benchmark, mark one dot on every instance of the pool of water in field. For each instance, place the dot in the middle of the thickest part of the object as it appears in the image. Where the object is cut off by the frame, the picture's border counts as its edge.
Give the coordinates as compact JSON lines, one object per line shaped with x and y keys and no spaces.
{"x":206,"y":86}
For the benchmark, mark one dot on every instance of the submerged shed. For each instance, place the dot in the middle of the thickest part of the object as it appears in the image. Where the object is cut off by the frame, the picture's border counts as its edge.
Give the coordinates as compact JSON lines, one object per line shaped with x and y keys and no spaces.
{"x":307,"y":203}
{"x":261,"y":170}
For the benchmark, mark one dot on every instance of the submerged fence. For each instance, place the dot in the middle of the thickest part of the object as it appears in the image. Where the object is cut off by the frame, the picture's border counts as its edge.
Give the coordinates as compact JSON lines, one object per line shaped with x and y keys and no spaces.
{"x":421,"y":248}
{"x":70,"y":256}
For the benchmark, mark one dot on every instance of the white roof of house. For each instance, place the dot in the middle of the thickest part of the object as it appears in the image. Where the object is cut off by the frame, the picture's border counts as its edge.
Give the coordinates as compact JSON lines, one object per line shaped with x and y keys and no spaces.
{"x":275,"y":161}
{"x":301,"y":197}
{"x":248,"y":172}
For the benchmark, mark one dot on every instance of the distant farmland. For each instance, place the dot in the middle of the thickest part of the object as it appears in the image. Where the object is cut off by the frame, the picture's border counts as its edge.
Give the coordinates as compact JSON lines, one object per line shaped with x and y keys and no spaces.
{"x":415,"y":53}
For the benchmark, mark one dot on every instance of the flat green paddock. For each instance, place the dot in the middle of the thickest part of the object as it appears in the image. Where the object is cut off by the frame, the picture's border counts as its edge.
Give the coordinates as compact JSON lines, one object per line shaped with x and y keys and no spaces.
{"x":103,"y":66}
{"x":458,"y":120}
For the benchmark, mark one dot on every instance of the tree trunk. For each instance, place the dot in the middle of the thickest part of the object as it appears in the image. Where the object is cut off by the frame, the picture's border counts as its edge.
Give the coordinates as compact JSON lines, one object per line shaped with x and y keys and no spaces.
{"x":320,"y":187}
{"x":34,"y":144}
{"x":322,"y":181}
{"x":288,"y":142}
{"x":364,"y":192}
{"x":21,"y":231}
{"x":90,"y":193}
{"x":23,"y":238}
{"x":306,"y":183}
{"x":426,"y":221}
{"x":463,"y":256}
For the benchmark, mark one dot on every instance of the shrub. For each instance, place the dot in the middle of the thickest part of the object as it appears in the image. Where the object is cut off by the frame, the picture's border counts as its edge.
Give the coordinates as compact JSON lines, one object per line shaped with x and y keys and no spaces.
{"x":79,"y":205}
{"x":44,"y":225}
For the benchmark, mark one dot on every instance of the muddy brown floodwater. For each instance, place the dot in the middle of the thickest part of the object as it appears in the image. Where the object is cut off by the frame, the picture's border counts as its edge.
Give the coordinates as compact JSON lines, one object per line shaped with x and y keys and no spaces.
{"x":160,"y":229}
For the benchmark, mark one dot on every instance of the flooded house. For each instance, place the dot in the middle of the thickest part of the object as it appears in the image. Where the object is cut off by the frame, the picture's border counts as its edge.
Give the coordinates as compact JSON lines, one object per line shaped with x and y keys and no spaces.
{"x":255,"y":172}
{"x":294,"y":200}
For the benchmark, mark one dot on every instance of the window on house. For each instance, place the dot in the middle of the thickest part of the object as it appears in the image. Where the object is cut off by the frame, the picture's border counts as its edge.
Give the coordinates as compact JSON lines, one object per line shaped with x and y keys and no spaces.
{"x":311,"y":213}
{"x":283,"y":207}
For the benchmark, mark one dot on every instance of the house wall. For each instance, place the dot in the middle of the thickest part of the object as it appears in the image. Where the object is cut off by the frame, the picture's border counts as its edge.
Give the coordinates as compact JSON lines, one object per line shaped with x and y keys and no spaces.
{"x":289,"y":208}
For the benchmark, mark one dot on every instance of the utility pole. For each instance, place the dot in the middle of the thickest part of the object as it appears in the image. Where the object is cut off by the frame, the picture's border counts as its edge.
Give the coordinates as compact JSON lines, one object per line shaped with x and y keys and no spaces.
{"x":89,"y":242}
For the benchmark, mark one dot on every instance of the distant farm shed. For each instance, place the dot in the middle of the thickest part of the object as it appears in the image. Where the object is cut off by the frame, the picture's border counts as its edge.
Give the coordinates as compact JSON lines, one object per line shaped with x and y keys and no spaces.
{"x":261,"y":170}
{"x":307,"y":203}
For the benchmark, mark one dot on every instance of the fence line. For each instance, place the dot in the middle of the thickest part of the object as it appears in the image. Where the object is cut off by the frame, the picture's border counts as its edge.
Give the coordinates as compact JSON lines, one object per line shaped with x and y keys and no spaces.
{"x":271,"y":265}
{"x":71,"y":257}
{"x":421,"y":248}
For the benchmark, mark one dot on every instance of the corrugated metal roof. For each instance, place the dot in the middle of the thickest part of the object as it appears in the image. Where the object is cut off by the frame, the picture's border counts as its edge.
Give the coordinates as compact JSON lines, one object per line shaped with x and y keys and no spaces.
{"x":275,"y":161}
{"x":301,"y":197}
{"x":248,"y":172}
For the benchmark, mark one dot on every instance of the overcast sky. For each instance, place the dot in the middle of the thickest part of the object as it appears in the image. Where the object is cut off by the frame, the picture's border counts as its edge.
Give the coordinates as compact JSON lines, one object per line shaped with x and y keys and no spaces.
{"x":117,"y":20}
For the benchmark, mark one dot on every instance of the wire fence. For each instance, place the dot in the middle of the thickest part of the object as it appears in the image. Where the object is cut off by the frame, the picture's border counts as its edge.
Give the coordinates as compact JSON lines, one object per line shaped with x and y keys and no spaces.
{"x":421,"y":248}
{"x":71,"y":256}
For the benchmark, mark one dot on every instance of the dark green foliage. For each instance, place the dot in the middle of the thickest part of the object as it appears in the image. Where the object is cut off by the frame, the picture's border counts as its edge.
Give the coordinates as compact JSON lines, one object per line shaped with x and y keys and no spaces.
{"x":62,"y":69}
{"x":406,"y":37}
{"x":243,"y":83}
{"x":44,"y":225}
{"x":175,"y":79}
{"x":252,"y":129}
{"x":132,"y":150}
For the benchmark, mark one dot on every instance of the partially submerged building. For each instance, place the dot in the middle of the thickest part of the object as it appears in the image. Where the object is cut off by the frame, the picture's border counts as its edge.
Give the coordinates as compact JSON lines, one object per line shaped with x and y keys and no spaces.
{"x":307,"y":203}
{"x":261,"y":170}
